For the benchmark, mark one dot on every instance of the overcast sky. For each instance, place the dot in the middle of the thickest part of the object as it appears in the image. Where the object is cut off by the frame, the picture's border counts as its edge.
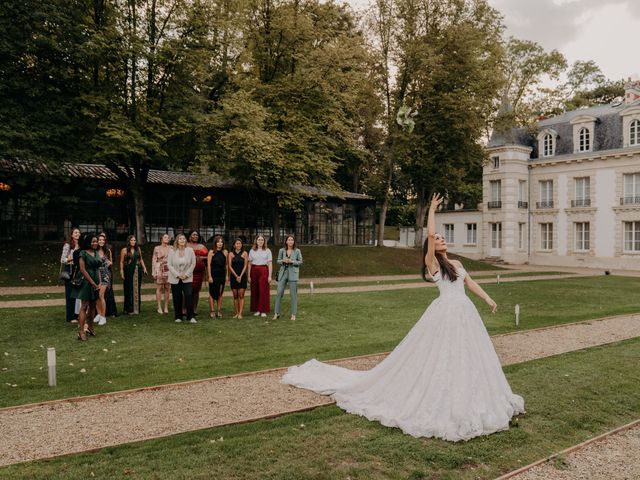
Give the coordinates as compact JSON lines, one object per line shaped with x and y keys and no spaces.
{"x":605,"y":31}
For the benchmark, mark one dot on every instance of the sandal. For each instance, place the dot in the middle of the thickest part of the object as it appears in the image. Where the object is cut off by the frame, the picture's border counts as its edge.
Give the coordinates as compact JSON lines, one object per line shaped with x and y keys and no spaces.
{"x":82,"y":337}
{"x":90,"y":332}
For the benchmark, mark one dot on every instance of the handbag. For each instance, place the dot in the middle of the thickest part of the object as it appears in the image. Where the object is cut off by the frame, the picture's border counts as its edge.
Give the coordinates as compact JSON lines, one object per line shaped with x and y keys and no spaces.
{"x":64,"y":275}
{"x":76,"y":277}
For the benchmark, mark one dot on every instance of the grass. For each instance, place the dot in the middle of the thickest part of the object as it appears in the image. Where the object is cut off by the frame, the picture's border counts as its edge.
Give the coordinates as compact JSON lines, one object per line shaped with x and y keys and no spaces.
{"x":569,"y":398}
{"x":38,"y":263}
{"x":150,"y":350}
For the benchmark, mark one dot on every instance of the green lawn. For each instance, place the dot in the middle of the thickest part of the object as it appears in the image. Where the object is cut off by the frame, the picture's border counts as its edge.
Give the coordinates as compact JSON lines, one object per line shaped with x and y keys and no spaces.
{"x":149,"y":350}
{"x":569,"y":398}
{"x":38,"y":263}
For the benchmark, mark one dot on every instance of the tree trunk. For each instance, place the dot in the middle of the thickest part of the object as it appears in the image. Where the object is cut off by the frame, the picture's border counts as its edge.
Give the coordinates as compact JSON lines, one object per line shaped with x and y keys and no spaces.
{"x":421,"y":212}
{"x":275,"y":222}
{"x":138,"y":205}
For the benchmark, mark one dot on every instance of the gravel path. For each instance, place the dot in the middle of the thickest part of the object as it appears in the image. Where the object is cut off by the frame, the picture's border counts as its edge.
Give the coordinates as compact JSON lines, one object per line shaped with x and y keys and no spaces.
{"x":57,"y":302}
{"x":80,"y":424}
{"x":615,"y":457}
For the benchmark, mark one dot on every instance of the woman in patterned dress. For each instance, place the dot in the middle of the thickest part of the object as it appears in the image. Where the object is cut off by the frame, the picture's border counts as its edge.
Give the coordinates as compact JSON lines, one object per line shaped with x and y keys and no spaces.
{"x":104,"y":279}
{"x":160,"y":272}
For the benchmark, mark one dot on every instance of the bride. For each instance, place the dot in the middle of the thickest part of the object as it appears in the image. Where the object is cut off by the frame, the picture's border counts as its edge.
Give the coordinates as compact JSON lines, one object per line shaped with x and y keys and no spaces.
{"x":444,"y":379}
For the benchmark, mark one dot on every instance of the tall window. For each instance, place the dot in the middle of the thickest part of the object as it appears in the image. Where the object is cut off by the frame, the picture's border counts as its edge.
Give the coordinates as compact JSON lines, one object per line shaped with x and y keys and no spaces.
{"x":521,"y":235}
{"x":581,"y":234}
{"x":496,"y":190}
{"x":632,"y":236}
{"x":496,"y":235}
{"x":547,"y":145}
{"x":522,"y":191}
{"x":546,"y":194}
{"x":472,"y":233}
{"x":631,"y":188}
{"x":448,"y":232}
{"x":546,"y":236}
{"x":495,"y":193}
{"x":584,"y":140}
{"x":583,"y":192}
{"x":634,"y":133}
{"x":496,"y":162}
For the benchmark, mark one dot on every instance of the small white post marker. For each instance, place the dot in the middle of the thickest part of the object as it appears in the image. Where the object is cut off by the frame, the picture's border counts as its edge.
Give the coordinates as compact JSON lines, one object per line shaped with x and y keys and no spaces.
{"x":51,"y":363}
{"x":311,"y":286}
{"x":498,"y":278}
{"x":517,"y":314}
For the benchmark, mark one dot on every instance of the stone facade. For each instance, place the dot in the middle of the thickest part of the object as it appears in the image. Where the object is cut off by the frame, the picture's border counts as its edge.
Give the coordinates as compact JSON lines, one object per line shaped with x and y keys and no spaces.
{"x":569,"y":194}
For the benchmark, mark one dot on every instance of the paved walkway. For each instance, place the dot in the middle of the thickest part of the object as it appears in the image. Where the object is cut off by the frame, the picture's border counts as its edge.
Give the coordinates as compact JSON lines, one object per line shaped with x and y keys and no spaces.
{"x":142,"y":414}
{"x":57,"y":302}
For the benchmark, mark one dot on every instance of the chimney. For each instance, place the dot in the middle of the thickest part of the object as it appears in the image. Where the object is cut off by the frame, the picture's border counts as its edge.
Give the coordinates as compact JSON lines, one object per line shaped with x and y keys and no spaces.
{"x":631,"y":91}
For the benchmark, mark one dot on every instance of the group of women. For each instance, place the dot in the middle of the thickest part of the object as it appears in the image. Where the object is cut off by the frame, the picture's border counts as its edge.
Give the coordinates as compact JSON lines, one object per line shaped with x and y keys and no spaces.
{"x":180,"y":269}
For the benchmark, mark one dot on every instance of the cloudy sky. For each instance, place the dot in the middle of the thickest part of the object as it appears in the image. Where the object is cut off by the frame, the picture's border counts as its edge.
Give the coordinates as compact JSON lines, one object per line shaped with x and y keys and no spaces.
{"x":605,"y":31}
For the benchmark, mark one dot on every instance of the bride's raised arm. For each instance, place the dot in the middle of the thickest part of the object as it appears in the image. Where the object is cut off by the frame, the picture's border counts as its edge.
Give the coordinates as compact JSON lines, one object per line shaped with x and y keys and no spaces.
{"x":430,"y":257}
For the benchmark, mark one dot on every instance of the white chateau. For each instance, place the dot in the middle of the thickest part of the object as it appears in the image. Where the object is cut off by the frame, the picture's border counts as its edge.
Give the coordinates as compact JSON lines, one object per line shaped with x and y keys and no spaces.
{"x":566,"y":195}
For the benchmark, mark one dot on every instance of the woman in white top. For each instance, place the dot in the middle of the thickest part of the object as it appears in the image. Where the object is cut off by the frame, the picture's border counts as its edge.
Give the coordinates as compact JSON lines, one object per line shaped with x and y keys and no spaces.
{"x":260,"y":275}
{"x":181,"y":262}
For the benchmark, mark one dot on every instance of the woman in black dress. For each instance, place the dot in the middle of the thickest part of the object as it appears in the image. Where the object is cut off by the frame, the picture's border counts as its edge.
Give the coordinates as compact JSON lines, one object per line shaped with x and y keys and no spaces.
{"x":218,"y":275}
{"x":238,"y":261}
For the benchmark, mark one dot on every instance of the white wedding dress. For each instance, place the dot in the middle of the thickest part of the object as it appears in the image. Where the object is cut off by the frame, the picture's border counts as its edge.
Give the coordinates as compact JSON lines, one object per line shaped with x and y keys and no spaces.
{"x":443,"y":380}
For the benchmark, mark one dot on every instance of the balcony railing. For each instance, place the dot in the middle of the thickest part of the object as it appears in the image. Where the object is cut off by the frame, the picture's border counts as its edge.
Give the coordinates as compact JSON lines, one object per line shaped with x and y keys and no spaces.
{"x":523,"y":204}
{"x":581,"y":202}
{"x":545,"y":204}
{"x":494,"y":204}
{"x":630,"y":200}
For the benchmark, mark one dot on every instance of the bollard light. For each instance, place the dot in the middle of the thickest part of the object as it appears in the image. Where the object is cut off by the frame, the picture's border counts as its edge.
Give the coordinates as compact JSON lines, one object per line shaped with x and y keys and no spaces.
{"x":51,"y":363}
{"x":517,"y":315}
{"x":498,"y":279}
{"x":311,"y":287}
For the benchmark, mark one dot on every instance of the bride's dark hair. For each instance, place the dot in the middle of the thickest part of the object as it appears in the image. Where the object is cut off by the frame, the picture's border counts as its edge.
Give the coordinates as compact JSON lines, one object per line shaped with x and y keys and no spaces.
{"x":447,"y":270}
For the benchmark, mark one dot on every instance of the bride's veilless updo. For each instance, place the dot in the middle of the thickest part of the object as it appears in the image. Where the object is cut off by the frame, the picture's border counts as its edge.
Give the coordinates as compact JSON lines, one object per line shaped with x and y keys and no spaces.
{"x":447,"y":270}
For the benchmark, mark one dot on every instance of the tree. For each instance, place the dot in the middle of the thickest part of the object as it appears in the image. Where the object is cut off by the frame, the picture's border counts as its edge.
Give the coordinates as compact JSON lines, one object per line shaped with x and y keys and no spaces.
{"x":450,"y":75}
{"x":295,"y":115}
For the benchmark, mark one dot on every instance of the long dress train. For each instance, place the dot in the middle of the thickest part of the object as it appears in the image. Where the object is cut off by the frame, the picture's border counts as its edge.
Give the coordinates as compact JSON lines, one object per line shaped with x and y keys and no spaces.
{"x":443,"y":380}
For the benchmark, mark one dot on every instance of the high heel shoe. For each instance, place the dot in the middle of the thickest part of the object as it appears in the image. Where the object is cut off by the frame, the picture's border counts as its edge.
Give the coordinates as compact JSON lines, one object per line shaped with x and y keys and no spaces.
{"x":82,"y":337}
{"x":90,"y":332}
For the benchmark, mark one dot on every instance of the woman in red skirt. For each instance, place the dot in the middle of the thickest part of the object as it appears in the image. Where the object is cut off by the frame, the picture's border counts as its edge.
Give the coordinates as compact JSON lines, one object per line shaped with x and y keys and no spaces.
{"x":261,"y":262}
{"x":201,"y":252}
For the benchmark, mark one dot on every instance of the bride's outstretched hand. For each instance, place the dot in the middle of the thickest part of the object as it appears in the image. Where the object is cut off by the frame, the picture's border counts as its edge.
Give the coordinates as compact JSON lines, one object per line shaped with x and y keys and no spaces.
{"x":492,"y":304}
{"x":436,"y":201}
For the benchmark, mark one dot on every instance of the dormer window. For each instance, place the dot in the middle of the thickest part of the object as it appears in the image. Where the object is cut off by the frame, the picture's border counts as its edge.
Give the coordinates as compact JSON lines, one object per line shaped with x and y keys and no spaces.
{"x":634,"y":133}
{"x":584,"y":140}
{"x":547,"y":145}
{"x":583,"y":133}
{"x":547,"y":142}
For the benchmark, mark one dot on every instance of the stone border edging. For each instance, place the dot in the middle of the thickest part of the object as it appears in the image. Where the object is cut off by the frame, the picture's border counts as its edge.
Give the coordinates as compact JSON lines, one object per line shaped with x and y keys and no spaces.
{"x":571,"y":449}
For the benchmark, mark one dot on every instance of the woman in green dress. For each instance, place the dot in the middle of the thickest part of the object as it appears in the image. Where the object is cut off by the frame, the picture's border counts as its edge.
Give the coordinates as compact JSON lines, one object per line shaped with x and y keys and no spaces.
{"x":86,"y":290}
{"x":131,"y":269}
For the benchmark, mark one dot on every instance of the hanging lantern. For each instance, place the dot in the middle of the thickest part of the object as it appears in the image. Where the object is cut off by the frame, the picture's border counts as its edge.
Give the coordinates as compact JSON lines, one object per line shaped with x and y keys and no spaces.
{"x":115,"y":193}
{"x":207,"y":199}
{"x":5,"y":187}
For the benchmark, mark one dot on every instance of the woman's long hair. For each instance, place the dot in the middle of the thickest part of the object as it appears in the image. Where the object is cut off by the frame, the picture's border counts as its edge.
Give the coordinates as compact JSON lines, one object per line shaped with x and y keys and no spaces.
{"x":255,"y":243}
{"x":447,"y":270}
{"x":106,"y":250}
{"x":129,"y":254}
{"x":215,"y":243}
{"x":287,"y":238}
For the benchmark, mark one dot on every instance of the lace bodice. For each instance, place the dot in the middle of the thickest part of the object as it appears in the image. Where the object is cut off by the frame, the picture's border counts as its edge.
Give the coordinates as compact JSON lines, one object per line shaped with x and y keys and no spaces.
{"x":447,"y":287}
